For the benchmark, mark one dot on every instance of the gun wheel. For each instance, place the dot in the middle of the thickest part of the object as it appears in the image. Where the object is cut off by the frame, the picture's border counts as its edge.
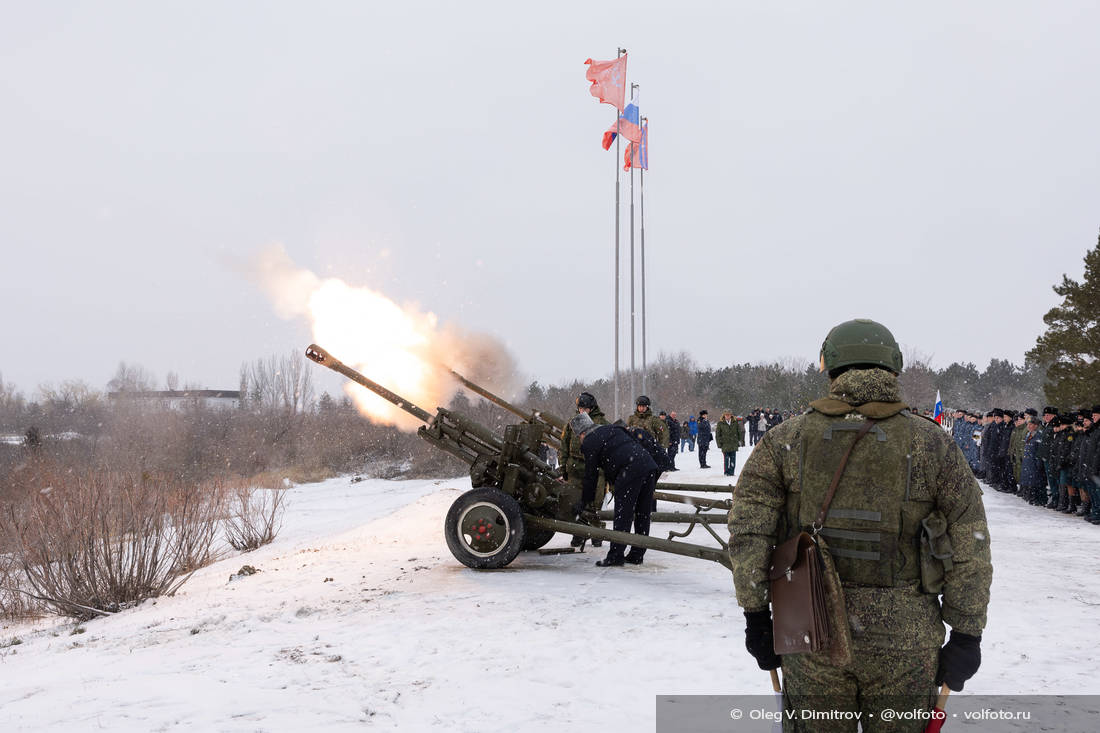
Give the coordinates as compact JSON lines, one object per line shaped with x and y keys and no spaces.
{"x":485,"y":529}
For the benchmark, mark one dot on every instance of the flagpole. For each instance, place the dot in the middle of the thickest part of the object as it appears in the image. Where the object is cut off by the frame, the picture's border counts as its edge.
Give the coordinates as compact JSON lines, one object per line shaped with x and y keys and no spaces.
{"x":633,"y":349}
{"x":618,"y":137}
{"x":641,"y":175}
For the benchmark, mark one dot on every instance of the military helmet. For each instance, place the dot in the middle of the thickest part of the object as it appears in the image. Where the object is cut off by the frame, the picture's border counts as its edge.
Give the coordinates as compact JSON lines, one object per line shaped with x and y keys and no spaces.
{"x":642,"y":400}
{"x":860,"y":342}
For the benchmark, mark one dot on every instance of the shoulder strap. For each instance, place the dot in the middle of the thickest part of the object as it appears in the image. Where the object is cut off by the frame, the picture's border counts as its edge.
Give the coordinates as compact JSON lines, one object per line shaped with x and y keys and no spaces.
{"x":820,"y":521}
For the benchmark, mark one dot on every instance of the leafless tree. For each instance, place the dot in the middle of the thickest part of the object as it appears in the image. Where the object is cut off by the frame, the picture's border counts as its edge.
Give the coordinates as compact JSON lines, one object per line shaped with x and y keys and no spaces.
{"x":132,"y":378}
{"x":279,"y":382}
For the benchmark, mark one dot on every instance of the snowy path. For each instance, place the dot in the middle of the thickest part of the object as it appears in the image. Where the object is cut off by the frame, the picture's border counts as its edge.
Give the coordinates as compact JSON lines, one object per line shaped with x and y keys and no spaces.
{"x":403,"y":637}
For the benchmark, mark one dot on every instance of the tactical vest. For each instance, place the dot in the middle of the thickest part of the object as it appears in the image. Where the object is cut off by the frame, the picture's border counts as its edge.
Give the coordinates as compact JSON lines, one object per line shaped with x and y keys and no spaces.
{"x":873,"y":525}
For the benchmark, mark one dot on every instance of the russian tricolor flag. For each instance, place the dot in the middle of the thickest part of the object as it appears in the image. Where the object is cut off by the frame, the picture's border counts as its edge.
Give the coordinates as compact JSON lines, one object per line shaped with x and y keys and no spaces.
{"x":629,"y":125}
{"x":937,"y":411}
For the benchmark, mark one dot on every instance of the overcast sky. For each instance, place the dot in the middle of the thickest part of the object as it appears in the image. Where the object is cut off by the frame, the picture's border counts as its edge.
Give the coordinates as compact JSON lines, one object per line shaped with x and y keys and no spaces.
{"x":929,"y":165}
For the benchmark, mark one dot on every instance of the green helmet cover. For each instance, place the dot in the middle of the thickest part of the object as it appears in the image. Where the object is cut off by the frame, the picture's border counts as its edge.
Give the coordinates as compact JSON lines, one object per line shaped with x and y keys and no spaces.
{"x":861,"y":341}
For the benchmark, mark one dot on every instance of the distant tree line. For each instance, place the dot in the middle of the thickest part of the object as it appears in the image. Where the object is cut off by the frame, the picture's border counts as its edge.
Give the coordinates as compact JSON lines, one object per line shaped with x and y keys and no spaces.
{"x":676,"y":382}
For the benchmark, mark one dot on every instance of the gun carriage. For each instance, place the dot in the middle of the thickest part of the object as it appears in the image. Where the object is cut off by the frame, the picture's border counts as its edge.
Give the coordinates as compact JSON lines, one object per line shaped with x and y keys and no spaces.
{"x":518,"y":502}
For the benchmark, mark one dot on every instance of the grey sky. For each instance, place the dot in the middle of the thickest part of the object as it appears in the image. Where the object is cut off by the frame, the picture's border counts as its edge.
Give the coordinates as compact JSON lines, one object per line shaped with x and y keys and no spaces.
{"x":810,"y":163}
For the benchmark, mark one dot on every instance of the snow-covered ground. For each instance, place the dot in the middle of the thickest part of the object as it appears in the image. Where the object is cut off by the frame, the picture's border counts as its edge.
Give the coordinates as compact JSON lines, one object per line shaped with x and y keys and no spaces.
{"x":360,"y":618}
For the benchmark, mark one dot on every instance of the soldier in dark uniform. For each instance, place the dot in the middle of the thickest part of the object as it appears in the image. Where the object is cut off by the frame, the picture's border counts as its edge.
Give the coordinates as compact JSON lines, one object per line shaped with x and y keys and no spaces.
{"x":1043,"y":453}
{"x":705,"y":437}
{"x":673,"y":438}
{"x":1091,"y":467}
{"x":905,"y":474}
{"x":1059,"y":459}
{"x":628,"y":466}
{"x":1081,"y":471}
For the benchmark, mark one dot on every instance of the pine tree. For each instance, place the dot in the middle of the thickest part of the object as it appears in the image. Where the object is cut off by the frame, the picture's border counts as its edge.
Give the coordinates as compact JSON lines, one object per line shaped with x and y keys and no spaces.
{"x":1071,"y":345}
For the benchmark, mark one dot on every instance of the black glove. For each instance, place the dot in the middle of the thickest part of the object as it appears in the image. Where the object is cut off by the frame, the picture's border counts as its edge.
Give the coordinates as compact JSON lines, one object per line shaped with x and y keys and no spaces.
{"x":959,"y":660}
{"x":758,"y":639}
{"x":577,"y":509}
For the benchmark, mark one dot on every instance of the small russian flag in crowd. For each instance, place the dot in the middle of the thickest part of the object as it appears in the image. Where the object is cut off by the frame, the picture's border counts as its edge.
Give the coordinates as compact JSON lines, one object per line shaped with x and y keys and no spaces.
{"x":937,"y":411}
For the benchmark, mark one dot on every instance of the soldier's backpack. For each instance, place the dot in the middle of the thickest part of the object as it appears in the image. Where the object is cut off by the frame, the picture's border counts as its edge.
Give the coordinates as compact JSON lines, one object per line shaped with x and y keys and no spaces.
{"x":656,"y":452}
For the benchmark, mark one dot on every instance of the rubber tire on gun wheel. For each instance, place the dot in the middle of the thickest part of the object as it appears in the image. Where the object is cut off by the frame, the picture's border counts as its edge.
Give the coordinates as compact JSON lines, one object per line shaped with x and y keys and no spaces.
{"x":537,"y":538}
{"x":500,"y":543}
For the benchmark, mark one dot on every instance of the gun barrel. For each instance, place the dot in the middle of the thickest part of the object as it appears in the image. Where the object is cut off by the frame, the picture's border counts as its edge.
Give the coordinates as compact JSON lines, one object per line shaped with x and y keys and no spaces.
{"x":322,"y":357}
{"x":537,"y":415}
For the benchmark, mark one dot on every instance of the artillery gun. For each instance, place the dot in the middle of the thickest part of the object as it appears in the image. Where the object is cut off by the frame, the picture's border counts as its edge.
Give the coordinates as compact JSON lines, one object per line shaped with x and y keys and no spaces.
{"x":518,"y":502}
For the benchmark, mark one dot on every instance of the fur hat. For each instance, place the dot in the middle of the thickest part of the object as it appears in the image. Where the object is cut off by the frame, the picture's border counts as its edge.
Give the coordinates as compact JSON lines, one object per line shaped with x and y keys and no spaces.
{"x":581,"y":422}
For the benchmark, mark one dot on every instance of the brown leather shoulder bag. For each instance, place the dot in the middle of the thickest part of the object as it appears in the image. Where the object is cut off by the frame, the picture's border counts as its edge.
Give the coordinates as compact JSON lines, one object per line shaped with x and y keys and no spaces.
{"x":804,"y":612}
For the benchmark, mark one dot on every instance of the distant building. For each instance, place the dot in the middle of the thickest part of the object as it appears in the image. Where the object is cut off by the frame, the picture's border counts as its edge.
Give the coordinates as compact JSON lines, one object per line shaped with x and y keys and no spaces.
{"x":181,"y":399}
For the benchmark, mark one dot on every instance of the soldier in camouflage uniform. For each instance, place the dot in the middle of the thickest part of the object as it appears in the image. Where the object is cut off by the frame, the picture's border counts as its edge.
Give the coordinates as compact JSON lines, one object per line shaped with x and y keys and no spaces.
{"x":572,"y":461}
{"x":906,"y":474}
{"x":1016,"y":447}
{"x":644,"y":418}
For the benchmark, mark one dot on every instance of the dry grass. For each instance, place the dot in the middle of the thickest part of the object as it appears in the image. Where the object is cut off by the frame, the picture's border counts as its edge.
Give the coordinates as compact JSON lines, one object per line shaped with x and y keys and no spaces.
{"x":278,"y":478}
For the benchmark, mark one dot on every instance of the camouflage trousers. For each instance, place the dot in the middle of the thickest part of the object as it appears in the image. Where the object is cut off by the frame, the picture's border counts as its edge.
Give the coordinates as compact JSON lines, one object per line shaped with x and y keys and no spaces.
{"x":817,"y":693}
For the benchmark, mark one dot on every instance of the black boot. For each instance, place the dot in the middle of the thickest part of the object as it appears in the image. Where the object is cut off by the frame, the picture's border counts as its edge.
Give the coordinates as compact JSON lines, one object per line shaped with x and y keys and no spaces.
{"x":610,"y":562}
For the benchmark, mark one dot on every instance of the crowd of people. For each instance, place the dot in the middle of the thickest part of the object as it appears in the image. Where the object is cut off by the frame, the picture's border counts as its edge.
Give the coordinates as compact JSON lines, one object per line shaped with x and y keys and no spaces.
{"x":1050,"y":460}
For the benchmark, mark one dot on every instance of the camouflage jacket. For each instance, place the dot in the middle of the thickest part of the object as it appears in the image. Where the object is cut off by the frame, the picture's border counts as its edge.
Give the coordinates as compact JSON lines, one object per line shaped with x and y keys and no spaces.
{"x":1016,"y":444}
{"x":650,"y":423}
{"x":728,"y":437}
{"x":570,"y":456}
{"x":933,"y":477}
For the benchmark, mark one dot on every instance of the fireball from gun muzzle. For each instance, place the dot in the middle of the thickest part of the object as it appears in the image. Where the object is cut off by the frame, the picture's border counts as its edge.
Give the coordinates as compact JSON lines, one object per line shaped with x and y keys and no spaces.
{"x":399,"y":346}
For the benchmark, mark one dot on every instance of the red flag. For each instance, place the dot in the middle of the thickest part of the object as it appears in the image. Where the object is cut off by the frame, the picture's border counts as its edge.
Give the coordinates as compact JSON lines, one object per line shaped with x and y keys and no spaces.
{"x":608,"y":80}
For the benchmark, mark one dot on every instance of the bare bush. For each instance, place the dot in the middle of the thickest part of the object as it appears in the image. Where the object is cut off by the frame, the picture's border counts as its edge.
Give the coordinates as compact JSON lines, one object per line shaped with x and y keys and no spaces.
{"x":15,"y":604}
{"x":95,"y":542}
{"x":255,"y":517}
